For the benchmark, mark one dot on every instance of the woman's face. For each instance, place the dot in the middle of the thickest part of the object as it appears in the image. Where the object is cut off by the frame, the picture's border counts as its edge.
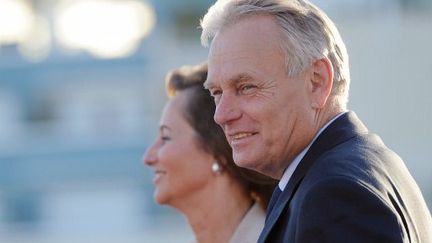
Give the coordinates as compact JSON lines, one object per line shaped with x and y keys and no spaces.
{"x":182,"y":169}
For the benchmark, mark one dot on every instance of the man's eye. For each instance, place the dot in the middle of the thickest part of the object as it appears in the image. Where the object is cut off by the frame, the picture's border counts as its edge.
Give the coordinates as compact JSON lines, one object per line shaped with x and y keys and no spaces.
{"x":215,"y":93}
{"x":245,"y":89}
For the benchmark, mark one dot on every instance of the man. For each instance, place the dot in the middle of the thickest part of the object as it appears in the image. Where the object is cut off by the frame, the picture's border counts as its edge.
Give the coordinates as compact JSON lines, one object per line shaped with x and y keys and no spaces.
{"x":279,"y":74}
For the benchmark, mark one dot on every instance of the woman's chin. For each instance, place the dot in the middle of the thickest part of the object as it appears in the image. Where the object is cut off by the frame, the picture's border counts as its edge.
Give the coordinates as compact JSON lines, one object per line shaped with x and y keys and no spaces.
{"x":160,"y":198}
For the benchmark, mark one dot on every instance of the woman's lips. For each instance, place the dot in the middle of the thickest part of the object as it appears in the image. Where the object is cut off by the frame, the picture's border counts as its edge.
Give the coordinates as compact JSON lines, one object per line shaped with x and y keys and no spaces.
{"x":158,"y":175}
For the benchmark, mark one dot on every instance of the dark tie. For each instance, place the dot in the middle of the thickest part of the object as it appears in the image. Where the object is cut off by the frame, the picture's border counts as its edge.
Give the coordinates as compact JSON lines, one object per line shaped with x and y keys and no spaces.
{"x":273,"y":200}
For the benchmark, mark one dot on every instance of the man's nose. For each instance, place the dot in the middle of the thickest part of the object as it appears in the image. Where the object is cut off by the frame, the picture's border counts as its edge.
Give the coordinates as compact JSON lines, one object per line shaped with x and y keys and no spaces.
{"x":226,"y":110}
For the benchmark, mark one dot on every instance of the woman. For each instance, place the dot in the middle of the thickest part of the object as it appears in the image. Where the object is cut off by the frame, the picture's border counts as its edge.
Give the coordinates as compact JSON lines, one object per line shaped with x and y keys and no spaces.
{"x":194,"y":170}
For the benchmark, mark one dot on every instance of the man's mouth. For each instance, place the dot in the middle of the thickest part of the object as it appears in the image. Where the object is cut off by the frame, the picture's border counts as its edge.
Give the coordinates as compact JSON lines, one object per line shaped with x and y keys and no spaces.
{"x":241,"y":135}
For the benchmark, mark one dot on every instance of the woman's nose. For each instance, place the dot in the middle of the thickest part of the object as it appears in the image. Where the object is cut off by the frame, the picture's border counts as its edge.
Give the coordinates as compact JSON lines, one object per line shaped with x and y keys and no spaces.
{"x":150,"y":155}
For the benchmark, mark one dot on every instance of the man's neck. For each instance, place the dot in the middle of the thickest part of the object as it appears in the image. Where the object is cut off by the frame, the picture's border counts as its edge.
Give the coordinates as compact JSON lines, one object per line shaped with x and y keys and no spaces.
{"x":296,"y":161}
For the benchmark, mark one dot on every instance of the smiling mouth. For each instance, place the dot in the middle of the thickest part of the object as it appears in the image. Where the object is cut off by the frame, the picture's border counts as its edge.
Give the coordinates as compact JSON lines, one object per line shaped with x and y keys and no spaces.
{"x":158,"y":176}
{"x":241,"y":135}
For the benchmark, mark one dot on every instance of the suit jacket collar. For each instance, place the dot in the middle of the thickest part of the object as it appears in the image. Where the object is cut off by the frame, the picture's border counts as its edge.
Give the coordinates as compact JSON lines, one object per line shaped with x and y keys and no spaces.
{"x":342,"y":129}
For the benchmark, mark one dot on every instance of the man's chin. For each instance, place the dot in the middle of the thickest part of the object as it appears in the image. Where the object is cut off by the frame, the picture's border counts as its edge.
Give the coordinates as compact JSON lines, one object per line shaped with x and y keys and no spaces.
{"x":259,"y":166}
{"x":241,"y":161}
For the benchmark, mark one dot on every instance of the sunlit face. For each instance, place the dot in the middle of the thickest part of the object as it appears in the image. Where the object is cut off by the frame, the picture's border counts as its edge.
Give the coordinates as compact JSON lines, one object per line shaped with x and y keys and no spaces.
{"x":265,"y":114}
{"x":182,"y":169}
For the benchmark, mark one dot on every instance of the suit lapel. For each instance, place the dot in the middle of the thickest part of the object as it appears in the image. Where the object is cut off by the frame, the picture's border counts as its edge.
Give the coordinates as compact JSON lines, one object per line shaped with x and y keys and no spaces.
{"x":342,"y":129}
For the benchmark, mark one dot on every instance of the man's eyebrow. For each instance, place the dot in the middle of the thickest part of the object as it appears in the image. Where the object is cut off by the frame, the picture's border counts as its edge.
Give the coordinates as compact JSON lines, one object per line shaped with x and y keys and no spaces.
{"x":242,"y":77}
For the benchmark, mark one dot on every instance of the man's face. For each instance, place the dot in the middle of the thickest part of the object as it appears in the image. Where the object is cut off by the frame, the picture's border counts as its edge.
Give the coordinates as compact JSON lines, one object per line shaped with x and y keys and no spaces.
{"x":266,"y":115}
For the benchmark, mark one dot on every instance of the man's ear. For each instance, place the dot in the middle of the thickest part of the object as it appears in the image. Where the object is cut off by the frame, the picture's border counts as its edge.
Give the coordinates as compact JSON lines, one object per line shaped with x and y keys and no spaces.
{"x":321,"y":82}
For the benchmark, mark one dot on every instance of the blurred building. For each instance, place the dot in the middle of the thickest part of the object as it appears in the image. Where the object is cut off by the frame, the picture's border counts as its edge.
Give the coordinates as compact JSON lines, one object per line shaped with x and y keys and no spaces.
{"x":81,"y":90}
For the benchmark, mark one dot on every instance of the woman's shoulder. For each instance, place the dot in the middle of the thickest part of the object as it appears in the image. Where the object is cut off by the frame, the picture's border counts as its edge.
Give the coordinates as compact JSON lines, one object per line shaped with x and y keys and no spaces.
{"x":251,"y":225}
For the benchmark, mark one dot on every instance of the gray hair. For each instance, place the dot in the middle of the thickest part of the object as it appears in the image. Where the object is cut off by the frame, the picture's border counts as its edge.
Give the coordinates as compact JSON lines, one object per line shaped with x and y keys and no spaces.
{"x":309,"y":35}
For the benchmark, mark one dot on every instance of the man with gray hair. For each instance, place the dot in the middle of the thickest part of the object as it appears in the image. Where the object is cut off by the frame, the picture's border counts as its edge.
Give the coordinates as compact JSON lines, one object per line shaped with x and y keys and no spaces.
{"x":278,"y":71}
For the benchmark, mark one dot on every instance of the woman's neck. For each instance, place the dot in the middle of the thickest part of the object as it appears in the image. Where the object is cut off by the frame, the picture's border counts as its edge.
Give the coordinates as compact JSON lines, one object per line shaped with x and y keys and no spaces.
{"x":215,"y":212}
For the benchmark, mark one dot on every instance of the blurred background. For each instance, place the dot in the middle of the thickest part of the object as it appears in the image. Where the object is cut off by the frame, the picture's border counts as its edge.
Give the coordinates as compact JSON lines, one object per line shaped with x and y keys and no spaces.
{"x":81,"y":90}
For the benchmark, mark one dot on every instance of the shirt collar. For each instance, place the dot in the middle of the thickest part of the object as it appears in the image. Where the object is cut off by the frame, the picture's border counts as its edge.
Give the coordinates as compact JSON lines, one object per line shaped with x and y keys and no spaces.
{"x":293,"y":165}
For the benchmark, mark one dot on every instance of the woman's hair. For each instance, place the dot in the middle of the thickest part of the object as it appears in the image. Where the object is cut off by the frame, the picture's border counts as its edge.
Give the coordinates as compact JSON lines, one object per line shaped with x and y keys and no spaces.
{"x":199,"y":110}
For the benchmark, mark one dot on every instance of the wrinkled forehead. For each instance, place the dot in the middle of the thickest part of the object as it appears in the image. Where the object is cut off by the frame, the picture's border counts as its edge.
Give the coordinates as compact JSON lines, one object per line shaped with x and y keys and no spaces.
{"x":243,"y":48}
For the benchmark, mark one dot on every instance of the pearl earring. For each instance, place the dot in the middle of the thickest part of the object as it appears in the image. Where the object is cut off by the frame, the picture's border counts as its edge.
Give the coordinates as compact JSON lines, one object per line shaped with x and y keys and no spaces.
{"x":216,"y":168}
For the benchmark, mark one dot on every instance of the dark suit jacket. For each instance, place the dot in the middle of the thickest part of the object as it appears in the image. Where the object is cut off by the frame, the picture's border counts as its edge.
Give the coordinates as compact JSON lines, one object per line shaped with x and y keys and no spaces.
{"x":349,"y":188}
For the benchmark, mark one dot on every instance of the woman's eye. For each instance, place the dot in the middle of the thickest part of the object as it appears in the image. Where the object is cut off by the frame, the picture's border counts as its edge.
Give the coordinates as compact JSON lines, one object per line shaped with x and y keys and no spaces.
{"x":164,"y":139}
